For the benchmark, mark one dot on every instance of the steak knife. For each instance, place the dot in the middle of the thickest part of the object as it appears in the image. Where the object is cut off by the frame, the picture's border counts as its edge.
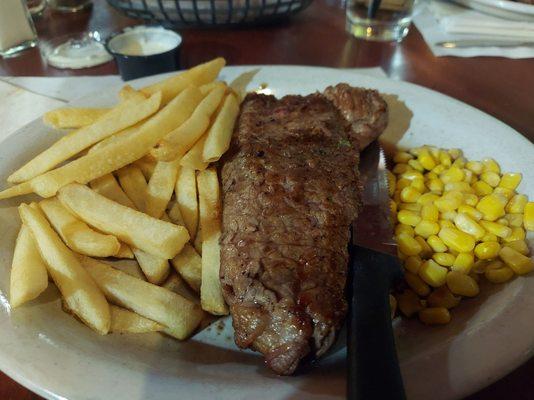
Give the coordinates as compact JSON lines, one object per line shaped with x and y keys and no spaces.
{"x":373,"y":371}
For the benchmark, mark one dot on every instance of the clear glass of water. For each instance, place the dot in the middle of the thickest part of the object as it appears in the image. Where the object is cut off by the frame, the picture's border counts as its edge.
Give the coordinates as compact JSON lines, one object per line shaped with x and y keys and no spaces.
{"x":385,"y":20}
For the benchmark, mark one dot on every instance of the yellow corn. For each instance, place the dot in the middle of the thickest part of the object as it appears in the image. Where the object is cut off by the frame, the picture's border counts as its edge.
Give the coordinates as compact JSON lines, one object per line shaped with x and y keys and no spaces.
{"x":419,"y":185}
{"x":412,"y":264}
{"x":409,"y":194}
{"x":401,"y":184}
{"x":481,"y":188}
{"x":445,"y":259}
{"x":514,"y":219}
{"x":416,"y":165}
{"x":510,"y":180}
{"x":456,"y":153}
{"x":470,"y":199}
{"x":479,"y":267}
{"x":431,"y":175}
{"x":426,"y":159}
{"x":453,"y":174}
{"x":503,"y":221}
{"x":487,"y":250}
{"x":491,"y":165}
{"x":518,"y":233}
{"x":435,"y":185}
{"x":464,"y":223}
{"x":528,"y":218}
{"x":520,"y":246}
{"x":489,"y":237}
{"x":445,"y":158}
{"x":427,"y":198}
{"x":450,"y":201}
{"x":445,"y":223}
{"x":499,"y":275}
{"x":491,"y":178}
{"x":432,"y":273}
{"x":475,"y":166}
{"x":410,"y":206}
{"x":491,"y":207}
{"x":402,"y":228}
{"x":469,"y":177}
{"x":507,"y":193}
{"x":411,"y":175}
{"x":402,"y":157}
{"x":408,"y":217}
{"x":409,"y":303}
{"x":408,"y":245}
{"x":415,"y":150}
{"x":463,"y":187}
{"x":426,"y":251}
{"x":497,"y":229}
{"x":517,"y":204}
{"x":463,"y":263}
{"x":518,"y":262}
{"x":435,"y":316}
{"x":462,"y":284}
{"x":436,"y":244}
{"x":426,"y":228}
{"x":472,"y":212}
{"x":443,"y":297}
{"x":457,"y":240}
{"x":401,"y":255}
{"x":429,"y":212}
{"x":416,"y":284}
{"x":401,"y":168}
{"x":439,"y":169}
{"x":459,"y":162}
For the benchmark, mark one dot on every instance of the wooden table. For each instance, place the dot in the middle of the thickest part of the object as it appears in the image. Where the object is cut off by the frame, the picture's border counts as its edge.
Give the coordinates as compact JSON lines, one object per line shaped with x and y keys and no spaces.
{"x":501,"y":87}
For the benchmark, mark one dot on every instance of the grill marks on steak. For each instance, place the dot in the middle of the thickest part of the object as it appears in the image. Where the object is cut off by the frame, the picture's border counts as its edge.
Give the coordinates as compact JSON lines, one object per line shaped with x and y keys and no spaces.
{"x":290,"y":189}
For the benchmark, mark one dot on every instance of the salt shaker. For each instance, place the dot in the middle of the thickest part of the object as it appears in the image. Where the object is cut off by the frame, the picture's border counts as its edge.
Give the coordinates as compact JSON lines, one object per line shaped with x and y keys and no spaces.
{"x":17,"y":31}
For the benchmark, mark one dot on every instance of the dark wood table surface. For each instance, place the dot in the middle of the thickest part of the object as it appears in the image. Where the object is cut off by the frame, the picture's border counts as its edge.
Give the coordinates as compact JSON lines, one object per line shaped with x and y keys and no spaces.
{"x":501,"y":87}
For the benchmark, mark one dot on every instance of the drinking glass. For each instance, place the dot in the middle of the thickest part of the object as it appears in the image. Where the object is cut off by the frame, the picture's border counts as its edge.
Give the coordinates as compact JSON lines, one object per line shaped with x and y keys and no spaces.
{"x":385,"y":20}
{"x":69,"y":5}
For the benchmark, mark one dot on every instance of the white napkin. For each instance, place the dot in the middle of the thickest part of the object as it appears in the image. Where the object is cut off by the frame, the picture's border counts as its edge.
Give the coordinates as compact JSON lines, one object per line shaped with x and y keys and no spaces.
{"x":439,"y":22}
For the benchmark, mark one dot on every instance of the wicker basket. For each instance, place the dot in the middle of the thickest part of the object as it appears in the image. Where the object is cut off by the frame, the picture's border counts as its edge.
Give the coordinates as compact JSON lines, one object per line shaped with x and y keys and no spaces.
{"x":206,"y":13}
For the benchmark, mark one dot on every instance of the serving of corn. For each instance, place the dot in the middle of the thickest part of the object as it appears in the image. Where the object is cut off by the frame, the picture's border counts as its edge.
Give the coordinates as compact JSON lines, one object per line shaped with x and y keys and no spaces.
{"x":456,"y":221}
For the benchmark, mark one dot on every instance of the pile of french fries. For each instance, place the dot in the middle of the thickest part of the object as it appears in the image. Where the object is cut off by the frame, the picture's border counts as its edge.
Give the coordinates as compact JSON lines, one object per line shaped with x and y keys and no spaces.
{"x":131,"y":182}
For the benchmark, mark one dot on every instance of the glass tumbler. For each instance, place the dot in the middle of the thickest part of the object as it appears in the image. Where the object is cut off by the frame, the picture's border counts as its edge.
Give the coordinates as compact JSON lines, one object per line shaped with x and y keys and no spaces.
{"x":385,"y":20}
{"x":17,"y":32}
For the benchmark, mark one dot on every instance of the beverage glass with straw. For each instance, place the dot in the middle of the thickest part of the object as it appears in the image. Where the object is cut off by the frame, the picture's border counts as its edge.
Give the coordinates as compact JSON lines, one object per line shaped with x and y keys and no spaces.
{"x":380,"y":20}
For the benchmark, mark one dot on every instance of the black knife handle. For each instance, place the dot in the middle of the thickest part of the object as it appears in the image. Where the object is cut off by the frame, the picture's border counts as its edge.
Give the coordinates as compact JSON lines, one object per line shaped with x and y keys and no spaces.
{"x":373,"y":368}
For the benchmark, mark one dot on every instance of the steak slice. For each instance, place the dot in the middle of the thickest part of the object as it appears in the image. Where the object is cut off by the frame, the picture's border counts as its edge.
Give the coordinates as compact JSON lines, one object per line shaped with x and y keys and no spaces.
{"x":290,"y":192}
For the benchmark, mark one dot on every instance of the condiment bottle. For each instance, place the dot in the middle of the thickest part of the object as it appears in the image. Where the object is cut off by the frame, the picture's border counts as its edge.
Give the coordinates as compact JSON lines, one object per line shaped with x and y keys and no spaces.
{"x":17,"y":32}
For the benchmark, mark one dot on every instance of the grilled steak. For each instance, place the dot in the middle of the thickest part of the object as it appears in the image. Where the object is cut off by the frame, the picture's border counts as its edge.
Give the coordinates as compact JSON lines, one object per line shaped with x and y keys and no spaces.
{"x":290,"y":192}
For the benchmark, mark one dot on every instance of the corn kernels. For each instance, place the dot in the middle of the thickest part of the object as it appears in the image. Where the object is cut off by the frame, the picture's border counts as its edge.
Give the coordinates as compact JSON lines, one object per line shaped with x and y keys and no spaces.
{"x":489,"y":237}
{"x":469,"y":177}
{"x":401,"y":184}
{"x":499,"y":275}
{"x":517,"y":204}
{"x":491,"y":207}
{"x":419,"y":184}
{"x":416,"y":284}
{"x":511,"y":180}
{"x":518,"y":262}
{"x":491,"y":165}
{"x":497,"y":229}
{"x":518,"y":233}
{"x":528,"y":217}
{"x":503,"y":221}
{"x":450,"y":201}
{"x":445,"y":223}
{"x":402,"y":157}
{"x":413,"y":264}
{"x":410,"y":206}
{"x":430,"y":212}
{"x":481,"y":188}
{"x":409,"y":194}
{"x":479,"y":267}
{"x":456,"y":153}
{"x":463,"y":187}
{"x":402,"y":228}
{"x":445,"y":259}
{"x":408,"y":245}
{"x":427,"y":198}
{"x":435,"y":316}
{"x":445,"y":159}
{"x":426,"y":159}
{"x":506,"y":193}
{"x":463,"y":263}
{"x":409,"y":303}
{"x":416,"y":165}
{"x":475,"y":166}
{"x":435,"y":185}
{"x":408,"y":217}
{"x":426,"y":251}
{"x":443,"y":297}
{"x":439,"y":169}
{"x":464,"y":223}
{"x":487,"y":250}
{"x":472,"y":212}
{"x":436,"y":244}
{"x":459,"y":162}
{"x":453,"y":174}
{"x":412,"y":174}
{"x":470,"y":199}
{"x":432,"y":273}
{"x":514,"y":219}
{"x":462,"y":284}
{"x":426,"y":228}
{"x":519,"y":245}
{"x":457,"y":240}
{"x":491,"y":178}
{"x":431,"y":175}
{"x":401,"y":168}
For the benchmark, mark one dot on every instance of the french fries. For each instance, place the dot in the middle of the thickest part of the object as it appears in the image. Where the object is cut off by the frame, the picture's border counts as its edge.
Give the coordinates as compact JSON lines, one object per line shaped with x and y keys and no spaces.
{"x":147,"y":165}
{"x":108,"y":187}
{"x":156,"y":269}
{"x":189,"y":265}
{"x":125,"y":321}
{"x":198,"y":241}
{"x":131,"y":268}
{"x":179,"y":315}
{"x":175,"y":215}
{"x":160,"y":187}
{"x":177,"y":285}
{"x":134,"y":185}
{"x":220,"y":133}
{"x":127,"y":92}
{"x":199,"y":75}
{"x":186,"y":197}
{"x":73,"y":118}
{"x":28,"y":270}
{"x":156,"y":237}
{"x":193,"y":158}
{"x":124,"y":252}
{"x":239,"y":84}
{"x":211,"y":296}
{"x":115,"y":137}
{"x":76,"y":286}
{"x":180,"y":140}
{"x":17,"y":190}
{"x":77,"y":235}
{"x":120,"y":117}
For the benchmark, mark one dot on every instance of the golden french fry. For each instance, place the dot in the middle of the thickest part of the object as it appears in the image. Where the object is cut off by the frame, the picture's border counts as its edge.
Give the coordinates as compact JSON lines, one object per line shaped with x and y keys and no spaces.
{"x":198,"y":241}
{"x":17,"y":190}
{"x":220,"y":132}
{"x":179,"y":315}
{"x":211,"y":296}
{"x":193,"y":158}
{"x":134,"y":185}
{"x":118,"y":118}
{"x":180,"y":140}
{"x":72,"y":118}
{"x":123,"y":152}
{"x":177,"y":285}
{"x":127,"y":92}
{"x":28,"y":270}
{"x":156,"y":269}
{"x":125,"y":321}
{"x":131,"y":268}
{"x":135,"y":228}
{"x":147,"y":165}
{"x":116,"y":137}
{"x":77,"y":234}
{"x":239,"y":84}
{"x":160,"y":187}
{"x":186,"y":197}
{"x":175,"y":215}
{"x":124,"y":252}
{"x":77,"y":287}
{"x":208,"y":87}
{"x":189,"y":265}
{"x":197,"y":76}
{"x":108,"y":187}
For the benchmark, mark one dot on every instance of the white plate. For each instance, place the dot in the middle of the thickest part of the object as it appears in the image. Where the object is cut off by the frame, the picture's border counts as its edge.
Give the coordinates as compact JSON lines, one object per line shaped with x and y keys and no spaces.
{"x":502,"y":8}
{"x":54,"y":355}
